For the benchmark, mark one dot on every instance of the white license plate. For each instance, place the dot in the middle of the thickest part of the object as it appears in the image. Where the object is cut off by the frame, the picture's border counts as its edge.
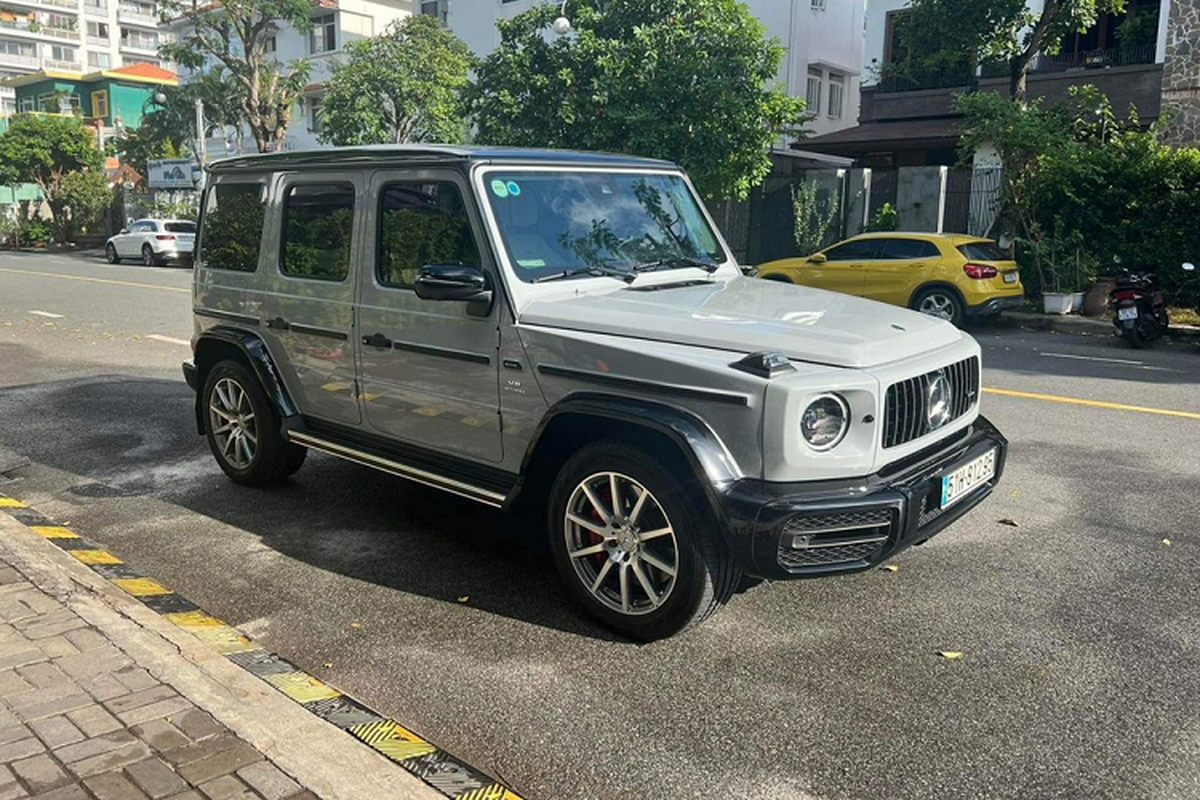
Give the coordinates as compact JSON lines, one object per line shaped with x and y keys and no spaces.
{"x":1011,"y":277}
{"x":962,"y":481}
{"x":1127,"y":313}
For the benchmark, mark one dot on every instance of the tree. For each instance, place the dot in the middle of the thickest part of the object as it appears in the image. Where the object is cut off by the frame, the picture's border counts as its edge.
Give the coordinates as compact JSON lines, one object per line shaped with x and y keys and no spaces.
{"x":999,"y":30}
{"x":403,"y":86}
{"x":685,"y":80}
{"x":233,"y":36}
{"x":43,"y":149}
{"x":87,"y":194}
{"x":168,"y":129}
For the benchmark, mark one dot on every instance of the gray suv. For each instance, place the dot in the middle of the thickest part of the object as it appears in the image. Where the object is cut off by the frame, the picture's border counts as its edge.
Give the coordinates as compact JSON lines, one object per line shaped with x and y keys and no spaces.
{"x":568,"y":331}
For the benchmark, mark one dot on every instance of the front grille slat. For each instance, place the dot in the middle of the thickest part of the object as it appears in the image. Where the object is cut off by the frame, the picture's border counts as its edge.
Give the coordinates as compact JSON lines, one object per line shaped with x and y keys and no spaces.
{"x":905,"y":416}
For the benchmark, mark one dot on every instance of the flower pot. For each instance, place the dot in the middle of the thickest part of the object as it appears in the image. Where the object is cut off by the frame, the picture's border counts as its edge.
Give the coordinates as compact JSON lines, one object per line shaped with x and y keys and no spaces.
{"x":1059,"y":302}
{"x":1077,"y":302}
{"x":1095,"y":301}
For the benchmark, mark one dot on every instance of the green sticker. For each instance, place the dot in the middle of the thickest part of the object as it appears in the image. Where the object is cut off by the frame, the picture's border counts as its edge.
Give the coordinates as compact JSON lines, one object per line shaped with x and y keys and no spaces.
{"x":531,"y":262}
{"x":514,"y":188}
{"x":499,"y":188}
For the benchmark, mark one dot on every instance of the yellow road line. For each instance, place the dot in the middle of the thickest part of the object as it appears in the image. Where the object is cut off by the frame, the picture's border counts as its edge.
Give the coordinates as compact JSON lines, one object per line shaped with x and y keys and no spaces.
{"x":94,"y":280}
{"x":8,"y":502}
{"x":91,"y":557}
{"x":1052,"y":398}
{"x":54,"y":532}
{"x":142,"y":587}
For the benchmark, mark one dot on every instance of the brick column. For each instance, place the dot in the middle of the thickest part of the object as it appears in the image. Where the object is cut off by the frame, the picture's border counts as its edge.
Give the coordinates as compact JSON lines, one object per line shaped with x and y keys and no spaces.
{"x":1181,"y":74}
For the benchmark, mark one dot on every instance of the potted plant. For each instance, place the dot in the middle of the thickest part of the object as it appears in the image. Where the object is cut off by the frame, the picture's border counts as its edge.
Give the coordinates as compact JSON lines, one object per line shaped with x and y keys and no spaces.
{"x":1065,"y":268}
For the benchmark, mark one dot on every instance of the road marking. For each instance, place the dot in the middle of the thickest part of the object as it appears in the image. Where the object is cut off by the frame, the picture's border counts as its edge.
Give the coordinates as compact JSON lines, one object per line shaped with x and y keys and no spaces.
{"x":1051,"y":398}
{"x":46,"y":314}
{"x":93,"y":280}
{"x":169,"y":339}
{"x":1125,"y":362}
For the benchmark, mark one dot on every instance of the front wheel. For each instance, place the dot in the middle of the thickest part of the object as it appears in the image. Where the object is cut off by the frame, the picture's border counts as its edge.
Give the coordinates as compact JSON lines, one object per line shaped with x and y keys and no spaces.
{"x":110,"y":253}
{"x":941,"y":303}
{"x":243,"y":430}
{"x":635,"y":547}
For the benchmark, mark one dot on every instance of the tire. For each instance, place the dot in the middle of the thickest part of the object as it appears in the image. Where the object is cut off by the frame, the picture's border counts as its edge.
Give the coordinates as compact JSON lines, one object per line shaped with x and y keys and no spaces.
{"x":149,"y":259}
{"x":1133,"y":338}
{"x":655,"y":496}
{"x":110,"y":254}
{"x":243,"y":430}
{"x":942,"y":303}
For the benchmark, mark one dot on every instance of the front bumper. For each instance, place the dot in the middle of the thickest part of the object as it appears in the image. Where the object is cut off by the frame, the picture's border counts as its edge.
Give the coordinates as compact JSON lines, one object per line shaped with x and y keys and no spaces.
{"x":854,"y":524}
{"x":996,"y":305}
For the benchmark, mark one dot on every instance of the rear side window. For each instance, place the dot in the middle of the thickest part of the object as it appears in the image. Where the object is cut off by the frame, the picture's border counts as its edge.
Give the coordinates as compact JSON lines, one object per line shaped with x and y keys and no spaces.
{"x":422,"y":223}
{"x":318,"y":220}
{"x":854,"y":251}
{"x":233,"y":227}
{"x":983,"y":251}
{"x":180,"y":227}
{"x":909,"y":249}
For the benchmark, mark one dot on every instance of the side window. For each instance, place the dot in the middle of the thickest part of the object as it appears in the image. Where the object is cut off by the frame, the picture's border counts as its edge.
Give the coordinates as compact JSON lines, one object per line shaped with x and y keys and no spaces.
{"x":853,"y":251}
{"x":317,"y":223}
{"x":908,"y":249}
{"x":421,"y":224}
{"x":233,"y":226}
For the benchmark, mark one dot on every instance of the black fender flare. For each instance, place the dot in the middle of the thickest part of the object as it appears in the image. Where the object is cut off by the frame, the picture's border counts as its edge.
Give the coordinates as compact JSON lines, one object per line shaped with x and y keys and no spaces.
{"x":254,"y":350}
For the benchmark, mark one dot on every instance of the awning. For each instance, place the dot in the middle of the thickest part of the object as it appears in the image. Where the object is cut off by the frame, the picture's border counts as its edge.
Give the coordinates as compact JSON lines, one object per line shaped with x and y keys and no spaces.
{"x":874,"y":136}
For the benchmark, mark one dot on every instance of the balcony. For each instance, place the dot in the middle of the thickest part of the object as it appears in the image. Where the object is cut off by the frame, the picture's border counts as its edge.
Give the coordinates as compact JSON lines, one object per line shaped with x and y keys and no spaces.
{"x":137,"y":15}
{"x":34,"y":28}
{"x":141,"y":45}
{"x":69,"y":5}
{"x":12,"y":60}
{"x":68,"y":66}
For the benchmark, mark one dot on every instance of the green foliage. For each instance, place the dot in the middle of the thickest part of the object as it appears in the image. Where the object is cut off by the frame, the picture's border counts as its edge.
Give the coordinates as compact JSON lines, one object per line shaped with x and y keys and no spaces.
{"x":43,"y":149}
{"x":814,"y":216}
{"x":168,"y":129}
{"x":233,"y":36}
{"x":34,"y":231}
{"x":887,"y":218}
{"x":85,"y":195}
{"x":403,"y":86}
{"x":684,"y":80}
{"x":185,"y":208}
{"x":411,"y":239}
{"x":319,"y":247}
{"x":233,"y":229}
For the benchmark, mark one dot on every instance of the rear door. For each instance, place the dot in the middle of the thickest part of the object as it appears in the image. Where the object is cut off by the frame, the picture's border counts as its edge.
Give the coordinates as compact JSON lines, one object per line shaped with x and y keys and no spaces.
{"x":429,"y":369}
{"x":901,"y":265}
{"x":308,"y":297}
{"x":842,"y":270}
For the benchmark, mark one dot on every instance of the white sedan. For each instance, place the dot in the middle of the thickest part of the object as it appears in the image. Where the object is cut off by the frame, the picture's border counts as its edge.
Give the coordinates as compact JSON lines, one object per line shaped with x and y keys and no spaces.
{"x":153,"y":241}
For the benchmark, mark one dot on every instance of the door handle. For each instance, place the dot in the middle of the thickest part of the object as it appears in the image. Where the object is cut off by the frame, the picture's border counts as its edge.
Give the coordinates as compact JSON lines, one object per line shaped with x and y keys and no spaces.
{"x":278,"y":323}
{"x":377,"y":340}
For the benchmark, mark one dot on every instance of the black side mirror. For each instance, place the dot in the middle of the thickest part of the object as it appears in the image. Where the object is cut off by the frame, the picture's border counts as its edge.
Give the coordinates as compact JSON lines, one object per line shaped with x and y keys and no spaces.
{"x":454,"y":282}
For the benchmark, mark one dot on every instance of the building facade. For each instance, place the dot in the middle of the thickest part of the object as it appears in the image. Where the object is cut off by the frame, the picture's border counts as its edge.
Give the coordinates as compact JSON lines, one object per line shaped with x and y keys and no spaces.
{"x":1181,"y":73}
{"x":823,"y":38}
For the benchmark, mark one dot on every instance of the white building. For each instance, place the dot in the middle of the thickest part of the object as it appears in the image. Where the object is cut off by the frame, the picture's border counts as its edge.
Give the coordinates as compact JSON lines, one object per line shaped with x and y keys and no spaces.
{"x":824,"y":41}
{"x":74,"y":36}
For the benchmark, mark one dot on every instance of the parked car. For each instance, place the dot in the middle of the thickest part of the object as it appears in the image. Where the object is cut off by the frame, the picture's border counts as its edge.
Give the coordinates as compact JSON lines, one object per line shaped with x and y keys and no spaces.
{"x":568,"y":332}
{"x":944,"y":275}
{"x":153,"y":241}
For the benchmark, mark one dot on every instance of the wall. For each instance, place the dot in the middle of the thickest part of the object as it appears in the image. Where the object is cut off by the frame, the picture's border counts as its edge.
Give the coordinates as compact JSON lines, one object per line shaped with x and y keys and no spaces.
{"x":125,"y":101}
{"x":1181,"y":74}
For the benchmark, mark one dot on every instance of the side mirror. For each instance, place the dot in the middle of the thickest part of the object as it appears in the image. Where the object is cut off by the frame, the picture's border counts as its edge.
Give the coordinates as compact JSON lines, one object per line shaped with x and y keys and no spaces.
{"x":1188,"y":266}
{"x":455,"y":282}
{"x":123,"y":230}
{"x":817,"y":258}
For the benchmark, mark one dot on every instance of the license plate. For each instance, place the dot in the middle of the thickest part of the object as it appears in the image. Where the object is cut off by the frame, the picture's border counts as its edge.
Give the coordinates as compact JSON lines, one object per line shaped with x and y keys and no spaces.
{"x":1011,"y":277}
{"x":1127,"y":313}
{"x":962,"y":481}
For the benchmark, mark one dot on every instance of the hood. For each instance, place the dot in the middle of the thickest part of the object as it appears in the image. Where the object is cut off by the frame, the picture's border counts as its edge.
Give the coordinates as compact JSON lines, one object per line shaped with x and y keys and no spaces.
{"x":747,"y":315}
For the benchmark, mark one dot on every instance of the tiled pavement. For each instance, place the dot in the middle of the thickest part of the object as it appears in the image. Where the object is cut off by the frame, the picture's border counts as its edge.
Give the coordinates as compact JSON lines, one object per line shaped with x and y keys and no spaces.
{"x":79,"y":719}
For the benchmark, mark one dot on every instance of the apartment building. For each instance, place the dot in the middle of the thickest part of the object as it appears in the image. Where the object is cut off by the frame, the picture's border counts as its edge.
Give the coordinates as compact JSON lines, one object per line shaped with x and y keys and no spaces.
{"x":824,"y":41}
{"x":74,"y":36}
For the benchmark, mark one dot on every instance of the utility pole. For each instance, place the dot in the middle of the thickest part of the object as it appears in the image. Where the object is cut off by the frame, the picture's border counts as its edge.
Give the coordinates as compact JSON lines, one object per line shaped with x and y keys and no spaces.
{"x":200,"y":131}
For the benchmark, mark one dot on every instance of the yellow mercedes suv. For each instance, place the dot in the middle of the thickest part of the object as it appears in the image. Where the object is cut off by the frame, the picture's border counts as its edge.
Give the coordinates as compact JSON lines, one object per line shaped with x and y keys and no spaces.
{"x":951,"y":276}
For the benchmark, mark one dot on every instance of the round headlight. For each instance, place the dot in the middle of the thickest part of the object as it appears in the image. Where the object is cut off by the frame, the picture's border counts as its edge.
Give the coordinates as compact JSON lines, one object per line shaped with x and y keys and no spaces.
{"x":825,"y":422}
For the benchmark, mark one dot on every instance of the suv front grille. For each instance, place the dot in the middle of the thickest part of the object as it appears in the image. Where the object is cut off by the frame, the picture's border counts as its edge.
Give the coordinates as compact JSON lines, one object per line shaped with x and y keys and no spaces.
{"x":839,"y":538}
{"x":905,"y":417}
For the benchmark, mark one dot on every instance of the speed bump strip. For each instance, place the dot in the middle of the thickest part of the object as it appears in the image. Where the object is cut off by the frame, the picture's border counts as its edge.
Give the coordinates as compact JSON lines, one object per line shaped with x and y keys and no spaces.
{"x":449,"y":776}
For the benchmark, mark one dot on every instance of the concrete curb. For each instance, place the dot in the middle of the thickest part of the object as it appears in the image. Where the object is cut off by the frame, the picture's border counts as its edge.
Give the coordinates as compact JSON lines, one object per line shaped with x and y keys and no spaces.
{"x":1080,"y":326}
{"x":316,"y":754}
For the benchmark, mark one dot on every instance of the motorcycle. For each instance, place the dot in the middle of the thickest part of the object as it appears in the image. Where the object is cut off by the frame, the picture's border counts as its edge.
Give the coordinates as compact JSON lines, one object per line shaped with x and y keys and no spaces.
{"x":1139,"y":311}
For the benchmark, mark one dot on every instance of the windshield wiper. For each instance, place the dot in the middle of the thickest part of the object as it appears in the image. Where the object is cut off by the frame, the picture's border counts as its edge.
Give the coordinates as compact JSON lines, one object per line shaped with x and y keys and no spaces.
{"x":595,"y":271}
{"x":676,"y":262}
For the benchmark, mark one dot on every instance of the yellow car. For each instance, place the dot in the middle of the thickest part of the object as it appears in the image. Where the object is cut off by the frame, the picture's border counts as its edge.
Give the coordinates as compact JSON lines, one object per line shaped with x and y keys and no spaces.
{"x":946,"y":275}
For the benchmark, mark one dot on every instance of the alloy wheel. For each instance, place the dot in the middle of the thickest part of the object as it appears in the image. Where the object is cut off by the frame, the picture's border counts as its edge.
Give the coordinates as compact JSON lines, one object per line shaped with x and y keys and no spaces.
{"x":147,"y":256}
{"x":938,"y":305}
{"x":231,"y":419}
{"x":621,"y":544}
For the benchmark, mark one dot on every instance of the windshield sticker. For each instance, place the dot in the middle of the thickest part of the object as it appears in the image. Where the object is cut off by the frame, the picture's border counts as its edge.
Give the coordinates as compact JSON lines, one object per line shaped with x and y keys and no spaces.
{"x":531,"y":262}
{"x":514,"y":188}
{"x":500,"y":188}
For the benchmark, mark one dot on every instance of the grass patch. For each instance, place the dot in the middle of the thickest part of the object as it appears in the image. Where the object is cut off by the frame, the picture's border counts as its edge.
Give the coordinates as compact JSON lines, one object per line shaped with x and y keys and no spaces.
{"x":1183,"y":316}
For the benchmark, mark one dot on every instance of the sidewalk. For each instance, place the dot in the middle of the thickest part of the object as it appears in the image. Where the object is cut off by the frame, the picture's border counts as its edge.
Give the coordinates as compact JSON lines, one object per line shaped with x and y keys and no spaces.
{"x":99,"y":698}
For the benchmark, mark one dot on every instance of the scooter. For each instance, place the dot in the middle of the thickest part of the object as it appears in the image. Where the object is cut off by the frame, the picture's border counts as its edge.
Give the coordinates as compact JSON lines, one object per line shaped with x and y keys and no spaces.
{"x":1139,"y":311}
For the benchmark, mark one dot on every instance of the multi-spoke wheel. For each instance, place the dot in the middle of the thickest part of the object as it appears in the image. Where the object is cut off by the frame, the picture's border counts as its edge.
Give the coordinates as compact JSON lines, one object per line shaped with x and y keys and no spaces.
{"x":940,"y":303}
{"x":634,"y":547}
{"x":110,"y":253}
{"x":149,"y":259}
{"x":242,"y":428}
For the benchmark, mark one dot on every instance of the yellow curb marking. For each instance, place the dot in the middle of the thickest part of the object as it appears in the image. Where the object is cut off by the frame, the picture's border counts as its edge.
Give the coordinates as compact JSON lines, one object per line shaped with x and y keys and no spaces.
{"x":301,"y":687}
{"x":336,"y":387}
{"x":54,"y":532}
{"x":95,"y":557}
{"x":224,"y":639}
{"x":141,"y":587}
{"x":474,"y":422}
{"x":193,"y":619}
{"x":93,"y":280}
{"x":493,"y":792}
{"x":8,"y":502}
{"x":1094,"y":403}
{"x":429,"y":412}
{"x":393,"y":740}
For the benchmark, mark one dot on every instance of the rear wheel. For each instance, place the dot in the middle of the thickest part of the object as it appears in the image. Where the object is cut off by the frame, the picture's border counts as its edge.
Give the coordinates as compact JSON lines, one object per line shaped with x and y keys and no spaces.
{"x":110,"y":253}
{"x":243,"y":429}
{"x":148,"y":257}
{"x":635,"y":547}
{"x":941,"y":303}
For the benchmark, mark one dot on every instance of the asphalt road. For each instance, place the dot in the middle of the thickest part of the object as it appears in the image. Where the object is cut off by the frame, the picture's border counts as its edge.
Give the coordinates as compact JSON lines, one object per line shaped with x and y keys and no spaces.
{"x":1078,"y":626}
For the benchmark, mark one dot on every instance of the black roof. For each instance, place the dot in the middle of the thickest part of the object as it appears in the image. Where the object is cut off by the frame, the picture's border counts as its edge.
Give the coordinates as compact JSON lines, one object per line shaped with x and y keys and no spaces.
{"x":408,"y":153}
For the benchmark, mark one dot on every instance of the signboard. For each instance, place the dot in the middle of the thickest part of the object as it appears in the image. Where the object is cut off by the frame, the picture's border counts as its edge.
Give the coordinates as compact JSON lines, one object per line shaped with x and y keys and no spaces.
{"x":171,"y":173}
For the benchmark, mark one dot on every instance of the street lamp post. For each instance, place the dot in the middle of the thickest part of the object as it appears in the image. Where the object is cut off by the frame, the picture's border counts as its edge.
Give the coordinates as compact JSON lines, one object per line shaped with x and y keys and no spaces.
{"x":562,"y":25}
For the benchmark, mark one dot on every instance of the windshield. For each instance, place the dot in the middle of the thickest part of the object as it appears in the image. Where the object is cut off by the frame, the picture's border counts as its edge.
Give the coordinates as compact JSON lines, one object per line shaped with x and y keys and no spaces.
{"x":567,"y":222}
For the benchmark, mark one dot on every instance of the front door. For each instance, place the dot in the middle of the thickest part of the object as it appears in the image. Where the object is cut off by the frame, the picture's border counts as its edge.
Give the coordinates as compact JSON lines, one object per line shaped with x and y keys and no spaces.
{"x":842,"y":270}
{"x":428,"y":369}
{"x":308,"y":293}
